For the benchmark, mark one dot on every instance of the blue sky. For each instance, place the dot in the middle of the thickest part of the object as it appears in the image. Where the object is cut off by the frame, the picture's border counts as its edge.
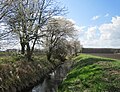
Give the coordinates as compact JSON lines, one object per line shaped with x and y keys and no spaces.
{"x":82,"y":11}
{"x":94,"y":18}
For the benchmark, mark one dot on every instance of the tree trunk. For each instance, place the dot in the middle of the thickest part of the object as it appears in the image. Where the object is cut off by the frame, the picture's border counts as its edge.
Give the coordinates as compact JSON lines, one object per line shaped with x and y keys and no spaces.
{"x":49,"y":54}
{"x":75,"y":52}
{"x":32,"y":49}
{"x":22,"y":43}
{"x":28,"y":54}
{"x":22,"y":48}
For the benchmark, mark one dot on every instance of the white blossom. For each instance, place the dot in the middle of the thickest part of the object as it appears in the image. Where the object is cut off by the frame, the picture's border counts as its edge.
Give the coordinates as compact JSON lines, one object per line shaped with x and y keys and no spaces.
{"x":0,"y":79}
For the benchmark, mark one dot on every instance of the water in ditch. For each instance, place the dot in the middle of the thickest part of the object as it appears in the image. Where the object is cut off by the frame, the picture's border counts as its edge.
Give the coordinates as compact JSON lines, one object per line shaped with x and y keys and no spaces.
{"x":51,"y":83}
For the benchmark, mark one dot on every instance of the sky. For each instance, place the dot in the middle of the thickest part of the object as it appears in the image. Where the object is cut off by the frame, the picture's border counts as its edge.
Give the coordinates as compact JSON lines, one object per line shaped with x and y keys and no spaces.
{"x":97,"y":21}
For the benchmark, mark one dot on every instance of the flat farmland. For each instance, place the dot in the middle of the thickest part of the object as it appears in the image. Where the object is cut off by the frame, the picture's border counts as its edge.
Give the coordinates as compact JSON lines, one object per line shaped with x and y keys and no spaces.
{"x":114,"y":56}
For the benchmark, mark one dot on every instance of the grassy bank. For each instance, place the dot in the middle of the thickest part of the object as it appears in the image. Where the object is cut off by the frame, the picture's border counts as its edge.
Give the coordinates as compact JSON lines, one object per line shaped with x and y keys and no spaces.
{"x":92,"y":74}
{"x":16,"y":73}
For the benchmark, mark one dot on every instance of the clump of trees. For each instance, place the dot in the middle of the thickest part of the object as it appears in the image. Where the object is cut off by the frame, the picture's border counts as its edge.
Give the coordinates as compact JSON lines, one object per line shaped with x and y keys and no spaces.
{"x":33,"y":22}
{"x":58,"y":31}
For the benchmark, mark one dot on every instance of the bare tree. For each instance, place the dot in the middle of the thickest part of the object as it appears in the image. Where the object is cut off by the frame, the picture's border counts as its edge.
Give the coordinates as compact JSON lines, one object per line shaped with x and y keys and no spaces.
{"x":4,"y":10}
{"x":7,"y":37}
{"x":5,"y":6}
{"x":57,"y":29}
{"x":27,"y":19}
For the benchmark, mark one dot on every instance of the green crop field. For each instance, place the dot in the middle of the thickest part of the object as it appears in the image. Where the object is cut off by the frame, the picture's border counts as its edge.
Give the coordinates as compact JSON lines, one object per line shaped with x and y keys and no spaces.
{"x":92,"y":74}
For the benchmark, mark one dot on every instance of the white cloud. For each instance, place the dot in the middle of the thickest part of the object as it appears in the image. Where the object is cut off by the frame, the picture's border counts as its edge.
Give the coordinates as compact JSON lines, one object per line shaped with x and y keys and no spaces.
{"x":106,"y":15}
{"x":80,"y":31}
{"x":79,"y":28}
{"x":71,"y":20}
{"x":111,"y":31}
{"x":88,"y":37}
{"x":105,"y":35}
{"x":91,"y":33}
{"x":95,"y":17}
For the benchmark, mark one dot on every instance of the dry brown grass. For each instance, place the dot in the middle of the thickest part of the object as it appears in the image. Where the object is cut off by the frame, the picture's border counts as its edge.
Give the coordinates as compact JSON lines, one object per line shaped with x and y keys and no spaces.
{"x":18,"y":75}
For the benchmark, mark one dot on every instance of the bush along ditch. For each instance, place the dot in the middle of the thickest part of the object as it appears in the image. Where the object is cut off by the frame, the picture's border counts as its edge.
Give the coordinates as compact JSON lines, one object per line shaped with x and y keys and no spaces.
{"x":17,"y":74}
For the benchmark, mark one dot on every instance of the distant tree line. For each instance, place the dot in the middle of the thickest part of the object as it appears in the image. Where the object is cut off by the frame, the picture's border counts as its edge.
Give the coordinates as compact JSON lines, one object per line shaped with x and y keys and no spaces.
{"x":100,"y":50}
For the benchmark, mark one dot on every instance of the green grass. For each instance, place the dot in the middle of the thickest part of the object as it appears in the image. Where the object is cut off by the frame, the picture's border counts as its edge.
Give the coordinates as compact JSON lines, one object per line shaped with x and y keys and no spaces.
{"x":92,"y":74}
